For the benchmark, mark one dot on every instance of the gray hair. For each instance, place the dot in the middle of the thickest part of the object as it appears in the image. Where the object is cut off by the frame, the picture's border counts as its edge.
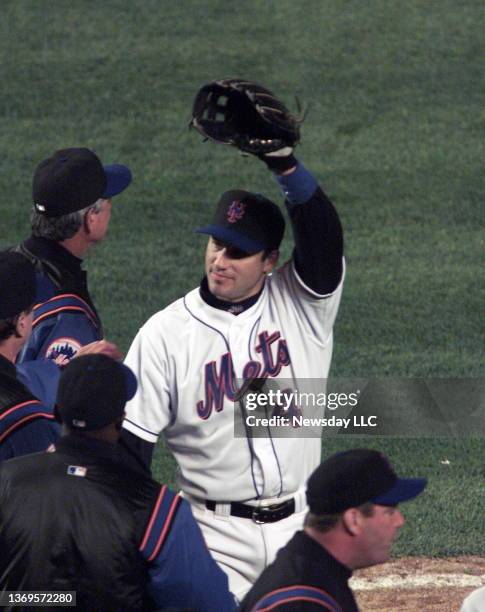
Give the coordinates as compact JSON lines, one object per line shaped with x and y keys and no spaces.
{"x":60,"y":228}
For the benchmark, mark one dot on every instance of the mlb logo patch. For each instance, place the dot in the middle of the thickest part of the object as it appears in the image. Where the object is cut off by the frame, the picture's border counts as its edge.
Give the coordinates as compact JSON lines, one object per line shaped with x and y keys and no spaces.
{"x":77,"y":470}
{"x":78,"y":423}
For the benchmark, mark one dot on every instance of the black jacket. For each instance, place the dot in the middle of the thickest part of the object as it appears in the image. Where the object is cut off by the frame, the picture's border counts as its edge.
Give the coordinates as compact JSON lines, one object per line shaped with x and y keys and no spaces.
{"x":60,"y":269}
{"x":304,"y":577}
{"x":73,"y":520}
{"x":26,"y":425}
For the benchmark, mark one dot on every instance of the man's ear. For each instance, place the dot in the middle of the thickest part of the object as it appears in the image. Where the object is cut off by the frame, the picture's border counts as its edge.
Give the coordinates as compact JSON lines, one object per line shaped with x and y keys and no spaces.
{"x":88,"y":220}
{"x":352,"y":521}
{"x":21,"y":323}
{"x":271,"y":260}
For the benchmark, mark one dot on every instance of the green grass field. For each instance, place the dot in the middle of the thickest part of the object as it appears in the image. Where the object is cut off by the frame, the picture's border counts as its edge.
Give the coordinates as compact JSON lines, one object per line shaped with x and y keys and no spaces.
{"x":394,"y":133}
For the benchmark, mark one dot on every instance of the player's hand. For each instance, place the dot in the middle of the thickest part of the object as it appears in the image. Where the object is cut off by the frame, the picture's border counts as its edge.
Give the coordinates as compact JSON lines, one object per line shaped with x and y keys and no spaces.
{"x":61,"y":360}
{"x":102,"y":347}
{"x":247,"y":116}
{"x":281,"y":162}
{"x":251,"y":118}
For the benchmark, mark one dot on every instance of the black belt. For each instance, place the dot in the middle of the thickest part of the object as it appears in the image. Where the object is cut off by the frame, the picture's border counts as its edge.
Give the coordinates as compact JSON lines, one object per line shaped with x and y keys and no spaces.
{"x":259,"y":514}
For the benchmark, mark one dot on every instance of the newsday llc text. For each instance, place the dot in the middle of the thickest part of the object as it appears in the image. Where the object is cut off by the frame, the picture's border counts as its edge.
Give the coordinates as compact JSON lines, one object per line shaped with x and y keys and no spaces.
{"x":300,"y":421}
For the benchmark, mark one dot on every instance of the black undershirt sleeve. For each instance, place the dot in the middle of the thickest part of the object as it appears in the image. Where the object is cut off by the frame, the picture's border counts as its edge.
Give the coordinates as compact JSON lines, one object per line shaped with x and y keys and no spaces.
{"x":319,"y":243}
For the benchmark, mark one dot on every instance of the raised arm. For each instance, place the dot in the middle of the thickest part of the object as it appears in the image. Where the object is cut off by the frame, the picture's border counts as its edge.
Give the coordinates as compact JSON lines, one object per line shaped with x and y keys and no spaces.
{"x":316,"y":226}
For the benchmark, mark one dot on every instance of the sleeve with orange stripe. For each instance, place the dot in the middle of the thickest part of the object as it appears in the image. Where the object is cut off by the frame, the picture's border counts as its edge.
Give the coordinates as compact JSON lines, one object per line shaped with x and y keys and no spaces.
{"x":27,"y":427}
{"x":297,"y":597}
{"x":182,"y":572}
{"x":41,"y":377}
{"x":61,"y":326}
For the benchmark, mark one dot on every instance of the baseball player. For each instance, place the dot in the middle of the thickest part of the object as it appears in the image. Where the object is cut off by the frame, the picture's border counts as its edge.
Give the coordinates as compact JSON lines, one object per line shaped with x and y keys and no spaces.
{"x":27,"y":424}
{"x":246,"y":320}
{"x":72,"y":194}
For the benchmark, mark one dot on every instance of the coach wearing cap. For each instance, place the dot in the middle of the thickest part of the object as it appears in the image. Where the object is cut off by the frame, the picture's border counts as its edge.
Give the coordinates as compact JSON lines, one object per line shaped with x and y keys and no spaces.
{"x":72,"y":193}
{"x":27,"y":424}
{"x":352,"y":522}
{"x":77,"y":519}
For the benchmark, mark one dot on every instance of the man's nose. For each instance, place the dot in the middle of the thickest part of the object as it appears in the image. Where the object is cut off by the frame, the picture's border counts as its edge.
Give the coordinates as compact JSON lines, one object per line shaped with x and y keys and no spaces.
{"x":220,"y":258}
{"x":400,"y":520}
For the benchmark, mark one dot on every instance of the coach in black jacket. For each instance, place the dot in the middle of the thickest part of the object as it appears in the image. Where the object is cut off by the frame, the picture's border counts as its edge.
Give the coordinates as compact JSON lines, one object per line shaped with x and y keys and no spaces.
{"x":352,"y":522}
{"x":76,"y":519}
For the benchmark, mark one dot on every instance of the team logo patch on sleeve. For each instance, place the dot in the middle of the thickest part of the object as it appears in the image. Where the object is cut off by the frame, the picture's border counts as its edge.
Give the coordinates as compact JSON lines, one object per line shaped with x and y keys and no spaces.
{"x":67,"y":347}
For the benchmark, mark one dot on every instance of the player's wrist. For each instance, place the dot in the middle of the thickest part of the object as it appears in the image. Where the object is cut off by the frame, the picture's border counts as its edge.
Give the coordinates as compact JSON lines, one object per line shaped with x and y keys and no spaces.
{"x":280,"y":164}
{"x":297,"y":186}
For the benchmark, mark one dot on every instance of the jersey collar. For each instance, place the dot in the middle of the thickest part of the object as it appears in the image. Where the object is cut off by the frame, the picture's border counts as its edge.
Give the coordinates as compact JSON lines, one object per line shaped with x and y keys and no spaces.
{"x":234,"y":308}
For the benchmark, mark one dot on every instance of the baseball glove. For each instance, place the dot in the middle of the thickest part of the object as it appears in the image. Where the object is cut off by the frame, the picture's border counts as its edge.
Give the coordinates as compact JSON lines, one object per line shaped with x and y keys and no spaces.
{"x":245,"y":115}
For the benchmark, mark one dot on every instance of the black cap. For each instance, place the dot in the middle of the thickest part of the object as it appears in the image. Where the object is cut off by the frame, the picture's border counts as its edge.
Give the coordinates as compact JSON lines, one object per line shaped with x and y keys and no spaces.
{"x":17,"y":284}
{"x":351,"y":478}
{"x":93,"y":391}
{"x":73,"y":179}
{"x":248,"y":221}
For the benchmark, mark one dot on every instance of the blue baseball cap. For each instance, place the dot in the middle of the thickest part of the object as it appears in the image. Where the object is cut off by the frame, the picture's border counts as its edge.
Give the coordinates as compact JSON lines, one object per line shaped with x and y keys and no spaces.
{"x":118,"y":177}
{"x":248,"y":221}
{"x":73,"y":179}
{"x":352,"y":478}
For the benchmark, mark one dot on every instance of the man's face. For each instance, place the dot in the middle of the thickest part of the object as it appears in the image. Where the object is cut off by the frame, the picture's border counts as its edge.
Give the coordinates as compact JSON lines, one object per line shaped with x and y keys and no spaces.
{"x":24,"y":324}
{"x":98,"y":222}
{"x":232,"y":274}
{"x":378,"y":533}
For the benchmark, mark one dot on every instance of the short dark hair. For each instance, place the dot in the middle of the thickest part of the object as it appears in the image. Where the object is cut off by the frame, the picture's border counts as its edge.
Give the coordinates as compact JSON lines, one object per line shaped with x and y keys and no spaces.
{"x":325,"y":522}
{"x":8,"y":327}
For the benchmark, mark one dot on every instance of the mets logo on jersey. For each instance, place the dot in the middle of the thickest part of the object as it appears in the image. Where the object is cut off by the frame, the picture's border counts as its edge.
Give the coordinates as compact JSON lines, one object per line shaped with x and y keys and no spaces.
{"x":219,"y":382}
{"x":236,"y":211}
{"x":67,"y":347}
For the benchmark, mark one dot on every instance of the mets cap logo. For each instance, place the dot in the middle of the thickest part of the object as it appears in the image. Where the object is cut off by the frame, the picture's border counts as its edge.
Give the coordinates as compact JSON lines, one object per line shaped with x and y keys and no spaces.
{"x":236,"y":211}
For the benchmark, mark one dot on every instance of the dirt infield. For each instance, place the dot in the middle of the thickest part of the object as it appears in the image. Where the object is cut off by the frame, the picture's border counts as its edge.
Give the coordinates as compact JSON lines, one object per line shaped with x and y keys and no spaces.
{"x":418,"y":584}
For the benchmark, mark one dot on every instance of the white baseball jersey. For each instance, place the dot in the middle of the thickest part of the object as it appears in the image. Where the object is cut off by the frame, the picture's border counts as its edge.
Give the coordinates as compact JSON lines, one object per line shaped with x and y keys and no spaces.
{"x":185,"y":358}
{"x":475,"y":602}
